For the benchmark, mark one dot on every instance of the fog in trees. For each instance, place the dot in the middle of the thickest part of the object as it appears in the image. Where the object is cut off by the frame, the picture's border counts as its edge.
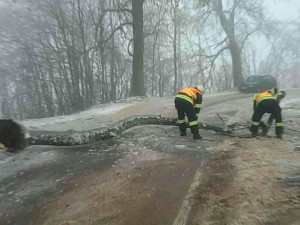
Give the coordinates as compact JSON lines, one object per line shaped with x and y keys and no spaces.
{"x":58,"y":57}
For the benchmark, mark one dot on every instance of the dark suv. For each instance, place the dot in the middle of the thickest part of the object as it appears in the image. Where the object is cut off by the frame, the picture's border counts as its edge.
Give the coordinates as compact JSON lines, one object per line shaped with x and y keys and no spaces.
{"x":258,"y":83}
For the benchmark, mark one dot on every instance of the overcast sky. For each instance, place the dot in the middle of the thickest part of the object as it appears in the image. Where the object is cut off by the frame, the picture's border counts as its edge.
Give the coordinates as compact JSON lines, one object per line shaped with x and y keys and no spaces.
{"x":283,"y":9}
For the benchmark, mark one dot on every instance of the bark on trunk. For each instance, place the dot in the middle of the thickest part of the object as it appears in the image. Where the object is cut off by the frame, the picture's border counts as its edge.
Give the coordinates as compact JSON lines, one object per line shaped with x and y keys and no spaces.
{"x":69,"y":138}
{"x":137,"y":81}
{"x":236,"y":62}
{"x":228,"y":25}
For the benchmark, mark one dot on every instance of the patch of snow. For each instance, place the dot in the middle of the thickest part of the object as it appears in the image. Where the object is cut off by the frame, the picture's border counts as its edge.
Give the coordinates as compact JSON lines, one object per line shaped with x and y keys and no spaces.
{"x":288,"y":103}
{"x":12,"y":164}
{"x":226,"y":92}
{"x":180,"y":146}
{"x":236,"y":107}
{"x":59,"y":123}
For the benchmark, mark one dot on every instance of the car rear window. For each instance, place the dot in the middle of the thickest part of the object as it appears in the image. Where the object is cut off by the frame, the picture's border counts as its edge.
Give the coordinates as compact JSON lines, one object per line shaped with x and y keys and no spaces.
{"x":254,"y":78}
{"x":267,"y":77}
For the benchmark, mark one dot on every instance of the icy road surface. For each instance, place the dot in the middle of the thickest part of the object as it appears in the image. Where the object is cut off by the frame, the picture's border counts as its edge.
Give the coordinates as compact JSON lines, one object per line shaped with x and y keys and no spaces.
{"x":151,"y":175}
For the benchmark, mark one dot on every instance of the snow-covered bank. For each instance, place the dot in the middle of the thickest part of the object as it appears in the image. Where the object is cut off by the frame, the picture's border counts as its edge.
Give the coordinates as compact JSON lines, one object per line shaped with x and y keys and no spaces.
{"x":233,"y":105}
{"x":101,"y":115}
{"x":79,"y":120}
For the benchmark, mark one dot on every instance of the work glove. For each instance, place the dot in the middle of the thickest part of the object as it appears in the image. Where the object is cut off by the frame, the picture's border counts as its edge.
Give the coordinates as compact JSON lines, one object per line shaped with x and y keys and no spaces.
{"x":281,"y":95}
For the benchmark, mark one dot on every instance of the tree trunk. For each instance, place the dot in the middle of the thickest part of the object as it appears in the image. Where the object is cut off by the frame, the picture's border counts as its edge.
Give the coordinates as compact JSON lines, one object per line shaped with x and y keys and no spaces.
{"x":237,"y":71}
{"x":68,"y":138}
{"x":113,"y":88}
{"x":160,"y":86}
{"x":5,"y":106}
{"x":103,"y":62}
{"x":228,"y":25}
{"x":180,"y":85}
{"x":153,"y":65}
{"x":137,"y":87}
{"x":175,"y":51}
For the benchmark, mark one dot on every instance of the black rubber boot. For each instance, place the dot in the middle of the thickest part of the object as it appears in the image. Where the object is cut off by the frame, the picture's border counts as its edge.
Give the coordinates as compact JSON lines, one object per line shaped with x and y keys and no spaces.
{"x":195,"y":132}
{"x":10,"y":150}
{"x":254,"y":134}
{"x":264,"y":128}
{"x":197,"y":136}
{"x":183,"y":133}
{"x":182,"y":128}
{"x":279,"y":131}
{"x":254,"y":129}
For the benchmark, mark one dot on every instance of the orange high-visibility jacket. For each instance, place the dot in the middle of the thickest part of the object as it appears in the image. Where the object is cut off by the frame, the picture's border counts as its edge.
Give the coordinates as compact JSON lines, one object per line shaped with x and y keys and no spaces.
{"x":257,"y":98}
{"x":193,"y":96}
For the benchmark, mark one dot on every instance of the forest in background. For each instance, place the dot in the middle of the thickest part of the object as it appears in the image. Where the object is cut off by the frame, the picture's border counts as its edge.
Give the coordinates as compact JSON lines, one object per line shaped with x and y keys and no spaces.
{"x":58,"y":57}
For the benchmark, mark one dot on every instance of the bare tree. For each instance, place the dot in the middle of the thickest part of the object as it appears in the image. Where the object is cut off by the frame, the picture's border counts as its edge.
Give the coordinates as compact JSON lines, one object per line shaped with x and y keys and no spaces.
{"x":137,"y":81}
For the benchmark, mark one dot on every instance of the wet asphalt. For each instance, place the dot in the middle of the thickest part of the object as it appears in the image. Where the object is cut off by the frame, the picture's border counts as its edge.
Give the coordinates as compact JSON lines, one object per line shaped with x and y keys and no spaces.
{"x":30,"y":178}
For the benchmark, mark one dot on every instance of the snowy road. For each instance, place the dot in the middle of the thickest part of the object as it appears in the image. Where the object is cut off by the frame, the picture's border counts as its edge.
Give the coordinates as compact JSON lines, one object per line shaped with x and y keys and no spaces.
{"x":150,"y":175}
{"x":107,"y":114}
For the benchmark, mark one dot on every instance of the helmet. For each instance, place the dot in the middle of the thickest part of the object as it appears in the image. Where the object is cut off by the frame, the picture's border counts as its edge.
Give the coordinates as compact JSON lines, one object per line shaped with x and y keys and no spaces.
{"x":201,"y":88}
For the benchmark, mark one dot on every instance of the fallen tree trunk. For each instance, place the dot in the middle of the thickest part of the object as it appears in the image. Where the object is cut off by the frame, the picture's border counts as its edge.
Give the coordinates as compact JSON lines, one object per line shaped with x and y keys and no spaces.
{"x":214,"y":127}
{"x":71,"y":137}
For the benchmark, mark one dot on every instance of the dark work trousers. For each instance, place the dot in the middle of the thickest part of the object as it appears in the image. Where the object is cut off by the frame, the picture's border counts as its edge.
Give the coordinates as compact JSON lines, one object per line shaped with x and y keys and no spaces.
{"x":186,"y":108}
{"x":267,"y":106}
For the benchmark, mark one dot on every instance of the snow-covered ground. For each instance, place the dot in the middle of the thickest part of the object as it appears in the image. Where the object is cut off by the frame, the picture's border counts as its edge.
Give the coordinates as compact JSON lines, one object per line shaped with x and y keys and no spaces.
{"x":101,"y":115}
{"x":226,"y":92}
{"x":145,"y":157}
{"x":80,"y":121}
{"x":234,"y":106}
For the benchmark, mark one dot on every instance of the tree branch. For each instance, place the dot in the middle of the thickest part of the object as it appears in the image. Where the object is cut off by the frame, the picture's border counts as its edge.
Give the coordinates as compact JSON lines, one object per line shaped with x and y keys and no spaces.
{"x":246,"y":37}
{"x":128,"y":48}
{"x":118,"y":10}
{"x":111,"y":35}
{"x":232,"y":13}
{"x":115,"y":30}
{"x":213,"y":60}
{"x":218,"y":44}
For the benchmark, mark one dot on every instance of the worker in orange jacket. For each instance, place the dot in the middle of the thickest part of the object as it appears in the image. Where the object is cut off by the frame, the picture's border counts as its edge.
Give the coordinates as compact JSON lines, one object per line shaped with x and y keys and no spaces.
{"x":266,"y":102}
{"x":188,"y":102}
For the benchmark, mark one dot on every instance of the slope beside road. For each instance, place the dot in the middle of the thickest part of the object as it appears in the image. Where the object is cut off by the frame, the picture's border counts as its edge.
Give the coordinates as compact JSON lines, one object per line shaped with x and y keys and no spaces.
{"x":107,"y":114}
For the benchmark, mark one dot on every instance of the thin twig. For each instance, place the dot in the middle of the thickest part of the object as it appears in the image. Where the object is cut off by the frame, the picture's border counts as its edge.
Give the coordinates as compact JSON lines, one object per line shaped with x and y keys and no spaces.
{"x":221,"y":119}
{"x":207,"y":139}
{"x":235,"y":135}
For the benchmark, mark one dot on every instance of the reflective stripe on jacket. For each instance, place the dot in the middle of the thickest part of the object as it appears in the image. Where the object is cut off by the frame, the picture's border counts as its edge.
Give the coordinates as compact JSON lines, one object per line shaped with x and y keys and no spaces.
{"x":262,"y":96}
{"x":189,"y":94}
